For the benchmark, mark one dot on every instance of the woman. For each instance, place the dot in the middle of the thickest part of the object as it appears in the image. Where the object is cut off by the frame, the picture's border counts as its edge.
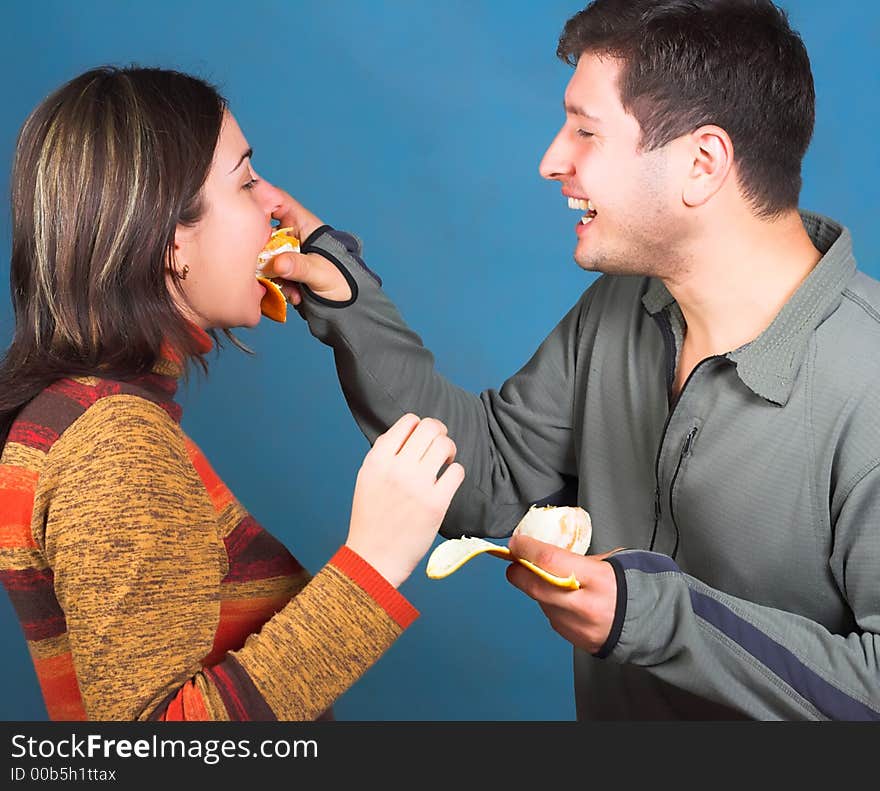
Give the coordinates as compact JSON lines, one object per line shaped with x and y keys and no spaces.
{"x":144,"y":588}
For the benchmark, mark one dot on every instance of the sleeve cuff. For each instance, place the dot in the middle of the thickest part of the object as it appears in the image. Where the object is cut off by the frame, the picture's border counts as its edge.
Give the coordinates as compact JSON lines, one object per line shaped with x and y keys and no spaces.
{"x":343,"y":250}
{"x":310,"y":239}
{"x":383,"y":592}
{"x":619,"y":610}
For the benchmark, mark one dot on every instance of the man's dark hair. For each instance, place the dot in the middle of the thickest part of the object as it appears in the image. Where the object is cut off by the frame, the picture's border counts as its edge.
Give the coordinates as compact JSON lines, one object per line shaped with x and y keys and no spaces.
{"x":736,"y":64}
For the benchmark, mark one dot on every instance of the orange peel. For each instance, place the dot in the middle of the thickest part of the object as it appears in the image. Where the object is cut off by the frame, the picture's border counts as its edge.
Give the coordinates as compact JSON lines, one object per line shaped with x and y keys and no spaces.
{"x":566,"y":527}
{"x":273,"y":305}
{"x":451,"y":555}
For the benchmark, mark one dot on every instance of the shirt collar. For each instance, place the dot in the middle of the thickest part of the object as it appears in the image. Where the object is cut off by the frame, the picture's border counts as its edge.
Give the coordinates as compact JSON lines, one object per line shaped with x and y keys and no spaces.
{"x":168,"y":369}
{"x":769,"y":365}
{"x":170,"y":362}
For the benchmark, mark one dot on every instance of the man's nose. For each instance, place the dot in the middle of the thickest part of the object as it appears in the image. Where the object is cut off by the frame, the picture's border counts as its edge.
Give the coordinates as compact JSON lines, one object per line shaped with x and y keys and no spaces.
{"x":556,"y":163}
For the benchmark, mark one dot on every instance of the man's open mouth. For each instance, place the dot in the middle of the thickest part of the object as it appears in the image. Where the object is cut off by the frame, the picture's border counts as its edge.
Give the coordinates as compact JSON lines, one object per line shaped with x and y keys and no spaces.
{"x":585,"y":206}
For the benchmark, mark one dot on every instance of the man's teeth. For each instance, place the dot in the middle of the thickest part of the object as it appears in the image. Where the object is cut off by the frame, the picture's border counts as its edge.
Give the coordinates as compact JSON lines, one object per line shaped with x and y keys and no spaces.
{"x":583,"y":205}
{"x":580,"y":205}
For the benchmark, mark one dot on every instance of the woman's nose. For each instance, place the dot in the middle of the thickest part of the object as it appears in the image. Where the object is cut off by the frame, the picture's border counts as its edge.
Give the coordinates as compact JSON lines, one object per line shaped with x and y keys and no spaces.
{"x":270,"y":196}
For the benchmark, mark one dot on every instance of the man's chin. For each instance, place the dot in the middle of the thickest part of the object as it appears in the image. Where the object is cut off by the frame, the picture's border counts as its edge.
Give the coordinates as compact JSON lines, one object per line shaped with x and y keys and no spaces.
{"x":589,"y":263}
{"x":588,"y":256}
{"x":607,"y":265}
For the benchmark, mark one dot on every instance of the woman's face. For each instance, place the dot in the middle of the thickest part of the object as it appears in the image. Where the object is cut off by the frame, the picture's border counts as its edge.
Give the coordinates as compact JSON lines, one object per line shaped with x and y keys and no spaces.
{"x":220,"y":289}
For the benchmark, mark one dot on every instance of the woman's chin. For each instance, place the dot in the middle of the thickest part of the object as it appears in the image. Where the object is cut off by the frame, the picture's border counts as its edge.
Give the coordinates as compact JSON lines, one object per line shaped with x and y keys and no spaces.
{"x":252,"y":321}
{"x":254,"y":314}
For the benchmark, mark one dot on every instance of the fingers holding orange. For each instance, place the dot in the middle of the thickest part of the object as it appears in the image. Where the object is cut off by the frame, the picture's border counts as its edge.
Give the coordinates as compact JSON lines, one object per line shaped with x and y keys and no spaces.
{"x":548,"y":541}
{"x":274,"y":302}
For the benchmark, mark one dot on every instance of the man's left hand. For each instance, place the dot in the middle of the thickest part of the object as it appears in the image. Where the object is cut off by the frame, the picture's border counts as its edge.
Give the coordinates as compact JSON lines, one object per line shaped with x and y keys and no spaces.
{"x":583,"y":616}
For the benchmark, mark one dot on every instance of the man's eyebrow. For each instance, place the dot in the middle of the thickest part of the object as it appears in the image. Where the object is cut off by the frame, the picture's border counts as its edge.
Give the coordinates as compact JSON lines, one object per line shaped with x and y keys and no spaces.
{"x":244,"y":156}
{"x":574,"y":110}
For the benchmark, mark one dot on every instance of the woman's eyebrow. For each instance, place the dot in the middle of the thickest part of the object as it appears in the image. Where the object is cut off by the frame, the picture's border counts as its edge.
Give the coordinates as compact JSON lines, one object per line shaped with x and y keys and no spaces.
{"x":244,"y":156}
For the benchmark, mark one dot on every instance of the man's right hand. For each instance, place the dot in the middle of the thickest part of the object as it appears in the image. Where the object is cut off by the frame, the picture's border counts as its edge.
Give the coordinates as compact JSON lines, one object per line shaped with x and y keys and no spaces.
{"x":310,"y":269}
{"x":399,"y":502}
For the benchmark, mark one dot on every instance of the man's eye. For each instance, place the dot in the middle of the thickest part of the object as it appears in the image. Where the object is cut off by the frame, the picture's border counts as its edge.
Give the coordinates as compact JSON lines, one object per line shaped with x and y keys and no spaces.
{"x":584,"y":133}
{"x":249,"y":185}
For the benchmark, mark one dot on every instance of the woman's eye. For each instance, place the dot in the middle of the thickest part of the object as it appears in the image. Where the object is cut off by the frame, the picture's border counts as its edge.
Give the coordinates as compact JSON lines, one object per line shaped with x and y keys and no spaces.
{"x":584,"y":133}
{"x":249,"y":185}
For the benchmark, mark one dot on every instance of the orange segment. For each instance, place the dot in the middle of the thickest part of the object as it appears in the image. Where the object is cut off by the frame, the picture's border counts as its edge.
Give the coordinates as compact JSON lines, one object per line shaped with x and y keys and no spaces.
{"x":274,"y":303}
{"x":281,"y":241}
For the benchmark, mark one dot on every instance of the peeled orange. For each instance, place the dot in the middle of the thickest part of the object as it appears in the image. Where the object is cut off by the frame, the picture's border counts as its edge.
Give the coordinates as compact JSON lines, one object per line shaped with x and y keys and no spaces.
{"x":274,"y":304}
{"x":566,"y":527}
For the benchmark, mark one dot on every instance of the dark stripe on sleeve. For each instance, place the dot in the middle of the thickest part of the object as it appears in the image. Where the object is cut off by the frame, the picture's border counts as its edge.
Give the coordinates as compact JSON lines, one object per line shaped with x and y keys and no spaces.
{"x":255,"y":554}
{"x":32,"y":593}
{"x":833,"y":703}
{"x":239,"y":695}
{"x":32,"y":435}
{"x":829,"y":700}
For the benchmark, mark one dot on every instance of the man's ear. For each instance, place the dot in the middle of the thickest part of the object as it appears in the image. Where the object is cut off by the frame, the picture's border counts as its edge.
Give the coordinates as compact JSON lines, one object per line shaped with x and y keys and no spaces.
{"x":711,"y":161}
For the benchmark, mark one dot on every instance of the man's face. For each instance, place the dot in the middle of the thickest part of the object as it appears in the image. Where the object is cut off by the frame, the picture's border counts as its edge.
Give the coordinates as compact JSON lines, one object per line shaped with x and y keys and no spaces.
{"x":637,"y":225}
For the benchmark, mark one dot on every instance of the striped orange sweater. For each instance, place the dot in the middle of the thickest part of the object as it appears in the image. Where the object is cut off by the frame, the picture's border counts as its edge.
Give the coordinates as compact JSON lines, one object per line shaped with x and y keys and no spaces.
{"x":146,"y":591}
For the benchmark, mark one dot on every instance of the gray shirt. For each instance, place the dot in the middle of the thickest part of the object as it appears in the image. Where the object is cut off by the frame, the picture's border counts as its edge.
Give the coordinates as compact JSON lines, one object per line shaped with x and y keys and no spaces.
{"x":749,"y":505}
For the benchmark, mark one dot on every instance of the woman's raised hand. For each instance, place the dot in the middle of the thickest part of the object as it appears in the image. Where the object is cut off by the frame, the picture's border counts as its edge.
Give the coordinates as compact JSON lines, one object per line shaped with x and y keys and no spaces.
{"x":399,"y":500}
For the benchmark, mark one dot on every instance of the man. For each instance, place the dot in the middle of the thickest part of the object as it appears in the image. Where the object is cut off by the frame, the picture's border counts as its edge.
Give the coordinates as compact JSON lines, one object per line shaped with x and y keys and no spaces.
{"x":712,"y":400}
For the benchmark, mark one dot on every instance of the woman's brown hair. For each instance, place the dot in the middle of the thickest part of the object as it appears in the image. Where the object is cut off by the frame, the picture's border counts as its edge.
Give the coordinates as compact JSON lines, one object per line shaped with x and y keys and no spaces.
{"x":105,"y":169}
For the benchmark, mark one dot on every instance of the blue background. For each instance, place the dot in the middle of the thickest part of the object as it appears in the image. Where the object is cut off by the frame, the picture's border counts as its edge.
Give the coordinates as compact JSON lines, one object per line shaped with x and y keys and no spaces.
{"x":418,"y":126}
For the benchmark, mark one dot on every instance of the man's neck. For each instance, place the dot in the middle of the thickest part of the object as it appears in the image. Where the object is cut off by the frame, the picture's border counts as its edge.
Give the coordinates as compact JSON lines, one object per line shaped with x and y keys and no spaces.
{"x":739,"y":276}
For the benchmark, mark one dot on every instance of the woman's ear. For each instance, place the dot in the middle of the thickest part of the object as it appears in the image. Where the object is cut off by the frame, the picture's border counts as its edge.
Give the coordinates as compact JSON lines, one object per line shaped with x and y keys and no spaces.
{"x":176,"y":266}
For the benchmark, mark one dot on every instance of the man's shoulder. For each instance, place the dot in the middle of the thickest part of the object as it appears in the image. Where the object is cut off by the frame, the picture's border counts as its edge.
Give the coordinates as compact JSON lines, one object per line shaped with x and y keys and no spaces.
{"x":852,"y":331}
{"x":845,"y":380}
{"x":847,"y":347}
{"x":863,"y":295}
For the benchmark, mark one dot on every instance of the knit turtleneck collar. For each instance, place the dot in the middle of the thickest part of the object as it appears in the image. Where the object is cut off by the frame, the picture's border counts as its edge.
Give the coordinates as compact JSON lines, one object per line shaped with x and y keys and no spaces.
{"x":164,"y":377}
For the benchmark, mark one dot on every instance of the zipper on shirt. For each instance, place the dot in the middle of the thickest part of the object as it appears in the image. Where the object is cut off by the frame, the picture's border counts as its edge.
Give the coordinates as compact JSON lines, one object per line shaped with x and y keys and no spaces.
{"x":669,"y":339}
{"x":669,"y":344}
{"x":685,"y":451}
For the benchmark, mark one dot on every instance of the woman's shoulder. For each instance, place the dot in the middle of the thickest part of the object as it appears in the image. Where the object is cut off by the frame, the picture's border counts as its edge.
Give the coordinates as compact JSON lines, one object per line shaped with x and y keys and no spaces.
{"x":112,"y":404}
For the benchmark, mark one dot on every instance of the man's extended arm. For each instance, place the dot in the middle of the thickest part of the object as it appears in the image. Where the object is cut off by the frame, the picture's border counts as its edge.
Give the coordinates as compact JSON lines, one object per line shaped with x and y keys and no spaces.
{"x":515,"y":443}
